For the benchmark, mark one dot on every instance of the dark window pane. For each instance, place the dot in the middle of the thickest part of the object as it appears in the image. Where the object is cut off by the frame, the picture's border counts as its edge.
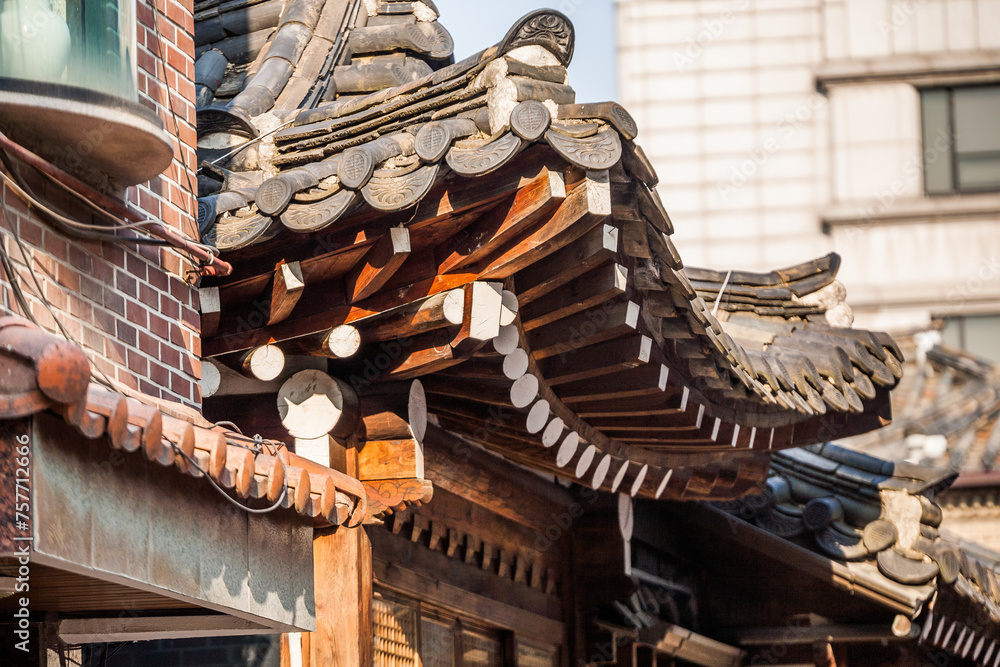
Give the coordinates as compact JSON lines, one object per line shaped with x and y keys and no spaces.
{"x":533,"y":656}
{"x":977,"y":124}
{"x":953,"y":334}
{"x":937,"y":141}
{"x":982,"y":336}
{"x":480,"y":651}
{"x":979,"y":171}
{"x":437,"y":644}
{"x":977,"y":119}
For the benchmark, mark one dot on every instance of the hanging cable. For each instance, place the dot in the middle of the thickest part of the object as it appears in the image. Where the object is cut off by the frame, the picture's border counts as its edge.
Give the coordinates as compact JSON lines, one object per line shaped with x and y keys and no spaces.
{"x":39,"y":294}
{"x":194,"y":464}
{"x":207,"y":261}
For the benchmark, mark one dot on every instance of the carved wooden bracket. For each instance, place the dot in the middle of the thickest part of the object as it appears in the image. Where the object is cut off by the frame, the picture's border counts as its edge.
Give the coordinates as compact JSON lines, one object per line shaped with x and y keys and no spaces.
{"x":386,"y":496}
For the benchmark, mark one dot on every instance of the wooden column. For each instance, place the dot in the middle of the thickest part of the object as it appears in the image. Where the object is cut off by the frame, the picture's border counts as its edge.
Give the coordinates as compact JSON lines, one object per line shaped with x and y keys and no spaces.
{"x":342,"y":570}
{"x":342,"y":563}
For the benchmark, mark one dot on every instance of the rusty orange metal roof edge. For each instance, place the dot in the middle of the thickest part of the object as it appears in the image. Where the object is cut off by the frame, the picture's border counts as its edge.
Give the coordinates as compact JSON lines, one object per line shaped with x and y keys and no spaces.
{"x":41,"y":372}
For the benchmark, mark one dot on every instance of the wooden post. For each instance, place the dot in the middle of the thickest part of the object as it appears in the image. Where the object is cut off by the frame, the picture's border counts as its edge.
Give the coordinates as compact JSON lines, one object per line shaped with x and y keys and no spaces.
{"x":342,"y":568}
{"x":342,"y":574}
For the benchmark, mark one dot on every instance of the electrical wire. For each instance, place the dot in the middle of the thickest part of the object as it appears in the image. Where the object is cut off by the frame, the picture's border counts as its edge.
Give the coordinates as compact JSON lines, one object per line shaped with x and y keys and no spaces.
{"x":39,"y":294}
{"x":117,"y":223}
{"x":225,"y":494}
{"x":248,"y":143}
{"x":65,"y":224}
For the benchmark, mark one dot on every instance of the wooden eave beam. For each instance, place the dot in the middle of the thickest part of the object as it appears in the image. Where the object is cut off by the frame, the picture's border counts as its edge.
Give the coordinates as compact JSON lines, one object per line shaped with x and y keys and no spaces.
{"x":591,"y":290}
{"x":381,"y":262}
{"x":597,"y":360}
{"x":597,"y":247}
{"x":584,"y":207}
{"x":512,"y":216}
{"x":467,"y":471}
{"x":286,"y":291}
{"x":323,"y":308}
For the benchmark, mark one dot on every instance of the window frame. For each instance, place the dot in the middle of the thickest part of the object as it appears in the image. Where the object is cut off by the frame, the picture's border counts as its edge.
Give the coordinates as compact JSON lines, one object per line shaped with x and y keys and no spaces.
{"x":952,"y":153}
{"x":460,"y":623}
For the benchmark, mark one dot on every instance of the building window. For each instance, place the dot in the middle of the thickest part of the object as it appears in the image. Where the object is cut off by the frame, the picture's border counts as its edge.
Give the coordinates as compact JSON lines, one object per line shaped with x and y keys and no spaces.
{"x":83,"y":43}
{"x":961,"y":139}
{"x":535,"y":656}
{"x":408,"y":633}
{"x":976,"y":334}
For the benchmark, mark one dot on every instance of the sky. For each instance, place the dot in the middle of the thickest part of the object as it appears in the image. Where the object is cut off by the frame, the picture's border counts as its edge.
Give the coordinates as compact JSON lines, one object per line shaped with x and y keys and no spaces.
{"x":478,"y":24}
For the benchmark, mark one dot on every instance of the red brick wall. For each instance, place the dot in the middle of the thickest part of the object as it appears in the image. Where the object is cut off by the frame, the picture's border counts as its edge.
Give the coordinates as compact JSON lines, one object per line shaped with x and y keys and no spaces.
{"x":128,"y":306}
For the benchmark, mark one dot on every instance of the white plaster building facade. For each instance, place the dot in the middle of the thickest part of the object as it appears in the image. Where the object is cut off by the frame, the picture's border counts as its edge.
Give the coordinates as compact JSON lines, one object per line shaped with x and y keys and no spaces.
{"x":784,"y":129}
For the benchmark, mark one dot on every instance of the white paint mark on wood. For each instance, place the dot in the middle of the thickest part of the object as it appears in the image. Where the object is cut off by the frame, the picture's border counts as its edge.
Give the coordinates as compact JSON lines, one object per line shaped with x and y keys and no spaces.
{"x":211,"y":378}
{"x":663,"y":483}
{"x":619,"y":477}
{"x":599,"y":192}
{"x":632,"y":314}
{"x":567,"y":450}
{"x":295,"y":649}
{"x":265,"y":363}
{"x":538,"y":416}
{"x":515,"y":364}
{"x":621,"y":277}
{"x":639,"y":479}
{"x":524,"y":390}
{"x":601,"y":472}
{"x":486,"y":304}
{"x":310,"y":404}
{"x":645,"y":349}
{"x":507,"y":340}
{"x":210,"y":300}
{"x":557,"y":184}
{"x":508,"y":309}
{"x":626,"y":517}
{"x":553,"y":432}
{"x":343,"y":342}
{"x":453,"y":307}
{"x":587,"y":458}
{"x":417,"y":411}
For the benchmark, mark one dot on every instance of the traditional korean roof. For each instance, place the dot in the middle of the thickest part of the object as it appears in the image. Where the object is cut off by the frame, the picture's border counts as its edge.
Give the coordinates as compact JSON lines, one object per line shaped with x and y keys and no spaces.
{"x":947,"y":413}
{"x":40,"y":372}
{"x":383,"y":180}
{"x":872,"y":527}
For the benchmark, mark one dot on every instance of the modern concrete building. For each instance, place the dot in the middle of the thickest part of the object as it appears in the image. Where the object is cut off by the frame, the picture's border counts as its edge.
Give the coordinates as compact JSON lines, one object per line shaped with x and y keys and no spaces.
{"x":783,"y":129}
